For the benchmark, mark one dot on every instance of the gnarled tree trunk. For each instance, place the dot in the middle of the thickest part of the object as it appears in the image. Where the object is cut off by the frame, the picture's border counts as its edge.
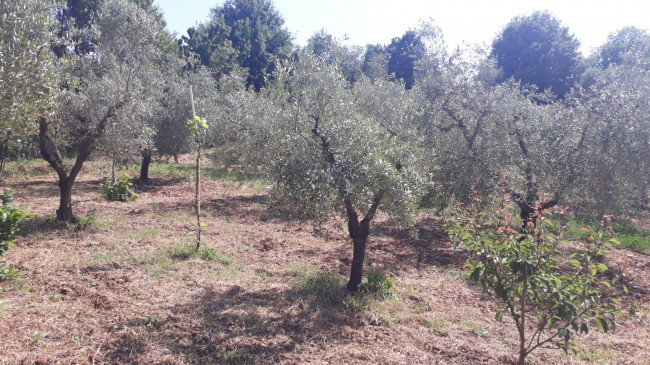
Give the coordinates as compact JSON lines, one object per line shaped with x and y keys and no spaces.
{"x":64,"y":213}
{"x":359,"y":231}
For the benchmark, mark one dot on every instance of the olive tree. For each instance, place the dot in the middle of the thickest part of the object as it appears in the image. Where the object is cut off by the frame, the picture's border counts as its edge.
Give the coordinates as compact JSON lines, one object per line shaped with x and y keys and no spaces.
{"x":28,"y":69}
{"x":609,"y":153}
{"x":333,"y":152}
{"x":483,"y":131}
{"x":628,"y":46}
{"x":169,"y":112}
{"x":111,"y":85}
{"x":243,"y":123}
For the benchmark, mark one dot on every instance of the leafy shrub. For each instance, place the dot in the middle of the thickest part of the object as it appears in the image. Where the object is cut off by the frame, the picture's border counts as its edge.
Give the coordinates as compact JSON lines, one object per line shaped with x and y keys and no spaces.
{"x":119,"y":190}
{"x":378,"y":285}
{"x":7,"y":197}
{"x":8,"y":273}
{"x":321,"y":290}
{"x":522,"y":269}
{"x":84,"y":222}
{"x":10,"y":218}
{"x":322,"y":286}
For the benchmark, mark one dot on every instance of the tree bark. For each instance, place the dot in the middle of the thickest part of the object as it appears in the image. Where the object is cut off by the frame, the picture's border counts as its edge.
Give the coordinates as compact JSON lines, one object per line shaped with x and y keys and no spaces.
{"x":358,"y":257}
{"x":144,"y":167}
{"x":64,"y":213}
{"x":5,"y":150}
{"x":359,"y":232}
{"x":113,"y":171}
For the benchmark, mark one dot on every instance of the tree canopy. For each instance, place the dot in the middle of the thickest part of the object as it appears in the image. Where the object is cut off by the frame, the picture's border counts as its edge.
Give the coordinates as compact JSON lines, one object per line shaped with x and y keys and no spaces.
{"x":28,"y":70}
{"x":248,"y":33}
{"x":628,"y":46}
{"x":403,"y":54}
{"x":538,"y":50}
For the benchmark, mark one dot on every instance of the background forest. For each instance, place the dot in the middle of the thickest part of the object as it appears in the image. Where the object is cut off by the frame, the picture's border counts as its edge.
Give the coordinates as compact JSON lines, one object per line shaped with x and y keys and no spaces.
{"x":530,"y":161}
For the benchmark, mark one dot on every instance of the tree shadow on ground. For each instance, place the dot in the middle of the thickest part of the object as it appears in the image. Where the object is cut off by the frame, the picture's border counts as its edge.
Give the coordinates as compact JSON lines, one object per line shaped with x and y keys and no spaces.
{"x":233,"y":325}
{"x":41,"y":188}
{"x":40,"y":224}
{"x":431,"y":246}
{"x":50,"y":189}
{"x":251,"y":207}
{"x":156,"y":184}
{"x":393,"y":249}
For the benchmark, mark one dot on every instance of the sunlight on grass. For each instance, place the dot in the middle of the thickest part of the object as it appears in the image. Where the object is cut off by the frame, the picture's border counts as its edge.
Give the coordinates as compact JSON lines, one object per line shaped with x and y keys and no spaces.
{"x":228,"y":176}
{"x":475,"y":328}
{"x":26,"y":169}
{"x":166,"y":258}
{"x":593,"y":354}
{"x":631,"y":237}
{"x":146,"y":233}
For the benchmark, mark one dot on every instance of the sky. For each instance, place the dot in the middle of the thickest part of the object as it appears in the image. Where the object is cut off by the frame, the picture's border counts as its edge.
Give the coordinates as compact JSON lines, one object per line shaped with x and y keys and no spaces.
{"x":361,"y":22}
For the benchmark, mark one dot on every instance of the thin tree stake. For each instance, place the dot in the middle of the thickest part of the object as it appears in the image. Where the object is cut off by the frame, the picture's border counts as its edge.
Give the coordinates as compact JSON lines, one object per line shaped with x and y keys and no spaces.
{"x":197,"y":202}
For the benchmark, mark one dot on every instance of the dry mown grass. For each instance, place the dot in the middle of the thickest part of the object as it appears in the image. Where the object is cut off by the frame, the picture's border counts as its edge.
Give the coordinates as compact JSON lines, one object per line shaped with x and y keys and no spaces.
{"x":267,"y":288}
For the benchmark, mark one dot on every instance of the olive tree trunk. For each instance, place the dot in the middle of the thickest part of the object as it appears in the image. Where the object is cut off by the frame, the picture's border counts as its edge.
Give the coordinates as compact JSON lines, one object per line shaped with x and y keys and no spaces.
{"x":144,"y":167}
{"x":64,"y":212}
{"x":5,"y":150}
{"x":359,"y":232}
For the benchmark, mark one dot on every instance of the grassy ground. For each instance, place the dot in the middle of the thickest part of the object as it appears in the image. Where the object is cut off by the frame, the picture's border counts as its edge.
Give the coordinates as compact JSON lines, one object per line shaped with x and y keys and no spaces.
{"x":628,"y":232}
{"x":127,"y":286}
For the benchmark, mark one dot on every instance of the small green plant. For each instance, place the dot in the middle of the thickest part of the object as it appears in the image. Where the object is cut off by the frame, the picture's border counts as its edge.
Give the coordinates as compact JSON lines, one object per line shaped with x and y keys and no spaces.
{"x":35,"y":337}
{"x":378,"y":285}
{"x":84,"y":222}
{"x":119,"y":190}
{"x":476,"y":328}
{"x":234,"y":356}
{"x":265,"y":275}
{"x":10,"y":218}
{"x":8,"y":273}
{"x":182,"y":253}
{"x":321,"y":288}
{"x":210,"y":254}
{"x":152,"y":320}
{"x":522,"y":269}
{"x":7,"y":197}
{"x":356,"y":303}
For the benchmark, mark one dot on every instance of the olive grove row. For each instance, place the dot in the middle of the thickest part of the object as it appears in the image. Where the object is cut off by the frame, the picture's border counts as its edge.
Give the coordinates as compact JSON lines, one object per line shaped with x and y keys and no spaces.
{"x":118,"y":88}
